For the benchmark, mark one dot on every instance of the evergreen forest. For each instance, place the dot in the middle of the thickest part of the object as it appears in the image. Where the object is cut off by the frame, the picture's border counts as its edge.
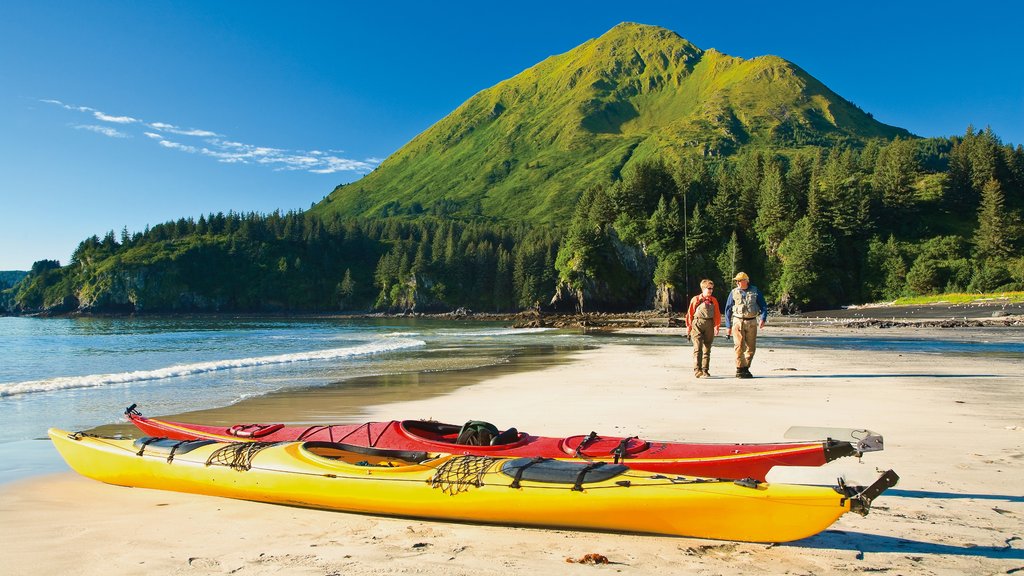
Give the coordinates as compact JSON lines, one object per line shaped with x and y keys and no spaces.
{"x":815,"y":227}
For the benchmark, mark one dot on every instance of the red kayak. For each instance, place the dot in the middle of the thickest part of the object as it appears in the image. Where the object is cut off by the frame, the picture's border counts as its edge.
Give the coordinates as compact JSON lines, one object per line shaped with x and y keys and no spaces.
{"x":484,"y":439}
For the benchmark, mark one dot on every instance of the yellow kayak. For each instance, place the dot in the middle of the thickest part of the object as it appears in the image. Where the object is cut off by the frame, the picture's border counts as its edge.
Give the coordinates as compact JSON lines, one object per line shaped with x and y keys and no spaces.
{"x":513,"y":491}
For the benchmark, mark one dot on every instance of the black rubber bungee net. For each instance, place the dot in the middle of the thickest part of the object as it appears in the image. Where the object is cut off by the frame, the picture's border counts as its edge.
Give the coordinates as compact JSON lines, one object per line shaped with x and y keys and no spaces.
{"x":460,"y":473}
{"x":238,"y":455}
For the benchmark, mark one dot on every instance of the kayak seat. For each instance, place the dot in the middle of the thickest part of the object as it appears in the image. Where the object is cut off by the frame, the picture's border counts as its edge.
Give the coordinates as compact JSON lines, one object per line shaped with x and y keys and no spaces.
{"x":559,"y":471}
{"x":168,"y":445}
{"x":507,"y":437}
{"x":476,"y":433}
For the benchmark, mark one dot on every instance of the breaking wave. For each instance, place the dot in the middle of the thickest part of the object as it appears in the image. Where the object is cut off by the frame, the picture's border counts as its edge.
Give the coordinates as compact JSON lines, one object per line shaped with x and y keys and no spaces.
{"x":95,"y":380}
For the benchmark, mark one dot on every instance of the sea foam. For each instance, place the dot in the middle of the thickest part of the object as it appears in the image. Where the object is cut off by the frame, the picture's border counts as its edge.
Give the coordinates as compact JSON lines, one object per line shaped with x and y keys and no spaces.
{"x":95,"y":380}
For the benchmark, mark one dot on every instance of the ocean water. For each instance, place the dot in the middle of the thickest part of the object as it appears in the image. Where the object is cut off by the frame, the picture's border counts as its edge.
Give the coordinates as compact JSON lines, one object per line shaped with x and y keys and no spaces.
{"x":994,"y":342}
{"x":79,"y":373}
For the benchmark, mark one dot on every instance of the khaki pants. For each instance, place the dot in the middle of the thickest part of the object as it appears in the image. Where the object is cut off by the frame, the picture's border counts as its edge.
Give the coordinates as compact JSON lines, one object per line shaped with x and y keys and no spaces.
{"x":702,"y":334}
{"x":744,"y":337}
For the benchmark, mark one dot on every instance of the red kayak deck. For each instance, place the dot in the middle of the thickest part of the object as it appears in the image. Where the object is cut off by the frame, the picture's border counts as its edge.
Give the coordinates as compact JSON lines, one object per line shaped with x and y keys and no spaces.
{"x":479,"y":438}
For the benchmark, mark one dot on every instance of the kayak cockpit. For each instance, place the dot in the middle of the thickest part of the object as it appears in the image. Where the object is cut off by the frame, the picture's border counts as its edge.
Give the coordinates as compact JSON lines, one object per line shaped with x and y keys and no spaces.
{"x":350,"y":454}
{"x":472,"y":433}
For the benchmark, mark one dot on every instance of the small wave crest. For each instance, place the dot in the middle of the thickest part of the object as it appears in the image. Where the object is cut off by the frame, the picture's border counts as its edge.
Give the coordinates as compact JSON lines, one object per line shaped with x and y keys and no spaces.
{"x":95,"y":380}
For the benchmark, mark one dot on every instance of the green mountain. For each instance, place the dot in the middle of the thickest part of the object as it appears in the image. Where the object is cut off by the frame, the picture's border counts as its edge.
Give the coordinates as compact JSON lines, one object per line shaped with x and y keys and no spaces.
{"x":525,"y":149}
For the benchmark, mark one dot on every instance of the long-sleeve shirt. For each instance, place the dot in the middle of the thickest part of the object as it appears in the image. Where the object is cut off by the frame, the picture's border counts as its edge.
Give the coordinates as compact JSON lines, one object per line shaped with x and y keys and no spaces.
{"x":761,"y":304}
{"x":697,"y":301}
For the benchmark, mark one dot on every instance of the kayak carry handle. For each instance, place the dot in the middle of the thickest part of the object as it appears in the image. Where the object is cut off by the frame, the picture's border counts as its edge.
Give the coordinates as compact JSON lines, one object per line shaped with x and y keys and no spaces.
{"x":590,"y":438}
{"x":862,"y":439}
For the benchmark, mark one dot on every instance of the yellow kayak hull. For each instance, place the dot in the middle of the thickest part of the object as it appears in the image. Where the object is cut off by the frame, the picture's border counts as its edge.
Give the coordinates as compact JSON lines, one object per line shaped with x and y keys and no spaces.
{"x":460,"y":488}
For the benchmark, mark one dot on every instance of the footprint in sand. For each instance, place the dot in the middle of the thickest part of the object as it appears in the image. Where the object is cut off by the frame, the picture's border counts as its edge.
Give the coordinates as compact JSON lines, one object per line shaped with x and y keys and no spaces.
{"x":204,"y":563}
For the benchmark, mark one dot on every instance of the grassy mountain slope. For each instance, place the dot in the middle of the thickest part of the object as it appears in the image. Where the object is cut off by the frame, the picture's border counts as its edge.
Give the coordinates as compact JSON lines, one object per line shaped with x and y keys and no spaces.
{"x":525,"y":148}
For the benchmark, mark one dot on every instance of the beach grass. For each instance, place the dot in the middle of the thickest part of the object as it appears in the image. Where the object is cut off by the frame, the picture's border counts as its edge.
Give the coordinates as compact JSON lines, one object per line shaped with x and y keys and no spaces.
{"x":960,"y":298}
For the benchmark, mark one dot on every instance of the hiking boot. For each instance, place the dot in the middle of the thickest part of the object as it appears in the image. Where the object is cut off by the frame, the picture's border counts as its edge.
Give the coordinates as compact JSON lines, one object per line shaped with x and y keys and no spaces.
{"x":740,"y":373}
{"x":745,"y":373}
{"x":706,"y":374}
{"x":698,"y":374}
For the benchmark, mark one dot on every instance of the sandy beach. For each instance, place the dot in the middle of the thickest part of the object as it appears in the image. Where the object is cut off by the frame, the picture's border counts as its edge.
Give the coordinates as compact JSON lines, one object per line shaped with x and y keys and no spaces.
{"x":953,"y":425}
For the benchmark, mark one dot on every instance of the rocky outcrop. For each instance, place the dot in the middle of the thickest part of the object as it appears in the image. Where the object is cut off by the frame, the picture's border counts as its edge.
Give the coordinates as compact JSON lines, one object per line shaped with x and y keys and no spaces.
{"x":114,"y":291}
{"x":668,"y":299}
{"x":416,"y":295}
{"x":624,"y":271}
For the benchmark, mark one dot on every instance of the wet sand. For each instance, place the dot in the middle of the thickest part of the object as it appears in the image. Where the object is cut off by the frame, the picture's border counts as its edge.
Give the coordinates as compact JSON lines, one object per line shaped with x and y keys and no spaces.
{"x":353,"y":400}
{"x":953,"y":426}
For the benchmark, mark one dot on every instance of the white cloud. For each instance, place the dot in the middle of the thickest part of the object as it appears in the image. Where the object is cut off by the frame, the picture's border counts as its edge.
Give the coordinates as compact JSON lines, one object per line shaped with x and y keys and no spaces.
{"x":69,"y":107}
{"x":332,"y":164}
{"x":178,"y":146}
{"x":105,"y":130}
{"x":164,"y":127}
{"x":224,"y":150}
{"x":115,"y":119}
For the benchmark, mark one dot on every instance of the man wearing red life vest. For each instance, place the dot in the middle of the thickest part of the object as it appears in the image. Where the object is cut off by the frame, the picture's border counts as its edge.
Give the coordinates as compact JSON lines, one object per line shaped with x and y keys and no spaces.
{"x":702,"y":324}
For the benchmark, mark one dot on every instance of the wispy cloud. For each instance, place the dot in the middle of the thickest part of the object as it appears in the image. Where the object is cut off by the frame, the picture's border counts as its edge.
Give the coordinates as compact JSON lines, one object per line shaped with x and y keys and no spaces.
{"x":177,"y":146}
{"x":163,"y":127}
{"x":105,"y":130}
{"x":115,"y":119}
{"x":217,"y":146}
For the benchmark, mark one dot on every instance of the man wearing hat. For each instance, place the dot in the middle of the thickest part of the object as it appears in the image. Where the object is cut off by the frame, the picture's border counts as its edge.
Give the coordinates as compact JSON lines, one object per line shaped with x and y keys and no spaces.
{"x":745,"y":312}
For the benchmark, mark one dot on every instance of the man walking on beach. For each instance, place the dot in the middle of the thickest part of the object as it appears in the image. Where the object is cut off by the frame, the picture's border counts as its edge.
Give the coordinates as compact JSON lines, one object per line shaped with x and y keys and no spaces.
{"x":702,"y":324}
{"x":745,"y":312}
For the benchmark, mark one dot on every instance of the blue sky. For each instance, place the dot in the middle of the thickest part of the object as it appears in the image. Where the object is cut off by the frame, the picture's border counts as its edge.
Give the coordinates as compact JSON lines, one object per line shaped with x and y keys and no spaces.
{"x":124,"y":113}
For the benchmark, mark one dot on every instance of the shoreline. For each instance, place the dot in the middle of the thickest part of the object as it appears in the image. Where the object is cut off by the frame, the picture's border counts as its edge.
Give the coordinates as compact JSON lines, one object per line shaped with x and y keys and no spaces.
{"x":987,"y":312}
{"x":952,"y":426}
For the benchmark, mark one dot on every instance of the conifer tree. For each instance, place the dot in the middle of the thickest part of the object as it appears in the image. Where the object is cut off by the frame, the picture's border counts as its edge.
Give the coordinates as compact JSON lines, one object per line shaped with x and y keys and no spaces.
{"x":993,"y":237}
{"x":772,"y":221}
{"x":807,"y":278}
{"x":665,"y":228}
{"x":724,"y":206}
{"x":895,"y":171}
{"x":730,"y":260}
{"x":503,"y":288}
{"x":699,"y":233}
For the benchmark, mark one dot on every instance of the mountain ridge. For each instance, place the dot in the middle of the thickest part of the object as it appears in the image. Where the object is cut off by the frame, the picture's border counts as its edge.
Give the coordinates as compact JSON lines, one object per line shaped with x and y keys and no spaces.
{"x":525,"y":148}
